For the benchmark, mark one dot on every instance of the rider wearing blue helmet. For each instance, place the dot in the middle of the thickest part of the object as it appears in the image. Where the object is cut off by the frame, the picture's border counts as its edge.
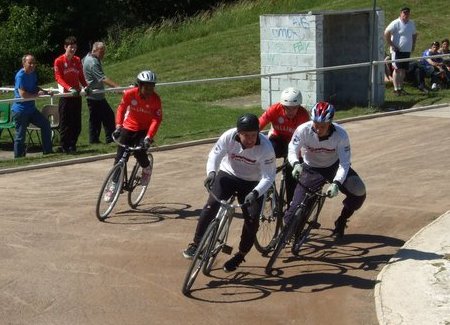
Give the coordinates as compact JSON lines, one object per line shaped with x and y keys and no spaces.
{"x":325,"y":149}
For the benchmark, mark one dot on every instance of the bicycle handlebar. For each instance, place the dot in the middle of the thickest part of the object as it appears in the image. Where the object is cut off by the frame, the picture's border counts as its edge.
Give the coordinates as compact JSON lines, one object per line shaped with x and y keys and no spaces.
{"x":135,"y":148}
{"x":226,"y":203}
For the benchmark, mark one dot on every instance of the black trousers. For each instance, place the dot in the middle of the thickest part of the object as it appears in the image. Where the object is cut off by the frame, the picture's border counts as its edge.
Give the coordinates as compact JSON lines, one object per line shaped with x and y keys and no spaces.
{"x":70,"y":121}
{"x":133,"y":138}
{"x":100,"y":113}
{"x":224,"y":187}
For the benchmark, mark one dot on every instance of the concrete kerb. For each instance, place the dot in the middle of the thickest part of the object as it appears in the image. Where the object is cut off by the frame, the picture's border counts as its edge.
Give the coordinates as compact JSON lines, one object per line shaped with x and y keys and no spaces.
{"x":409,"y":291}
{"x":196,"y":142}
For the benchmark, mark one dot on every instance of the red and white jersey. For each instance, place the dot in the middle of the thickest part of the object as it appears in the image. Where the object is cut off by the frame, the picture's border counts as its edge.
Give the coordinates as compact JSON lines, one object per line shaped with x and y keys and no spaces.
{"x":135,"y":113}
{"x":282,"y":126}
{"x":253,"y":164}
{"x":323,"y":152}
{"x":69,"y":73}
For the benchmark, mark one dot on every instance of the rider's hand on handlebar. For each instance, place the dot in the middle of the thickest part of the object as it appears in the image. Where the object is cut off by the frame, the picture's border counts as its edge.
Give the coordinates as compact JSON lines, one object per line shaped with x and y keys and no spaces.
{"x":209,"y":180}
{"x":296,"y":170}
{"x":332,"y":190}
{"x":146,"y":143}
{"x":251,"y":197}
{"x":116,"y":132}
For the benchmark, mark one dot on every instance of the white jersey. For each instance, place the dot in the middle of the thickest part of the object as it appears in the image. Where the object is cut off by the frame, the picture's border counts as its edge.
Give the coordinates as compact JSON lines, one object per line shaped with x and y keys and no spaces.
{"x":321,"y":153}
{"x":254,"y":164}
{"x":402,"y":34}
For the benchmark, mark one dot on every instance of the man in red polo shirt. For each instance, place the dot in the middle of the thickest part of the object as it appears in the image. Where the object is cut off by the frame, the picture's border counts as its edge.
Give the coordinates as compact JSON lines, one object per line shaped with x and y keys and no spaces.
{"x":70,"y":78}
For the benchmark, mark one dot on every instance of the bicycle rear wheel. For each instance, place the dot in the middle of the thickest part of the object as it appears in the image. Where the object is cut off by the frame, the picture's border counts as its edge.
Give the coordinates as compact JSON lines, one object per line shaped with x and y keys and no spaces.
{"x":282,"y":240}
{"x":270,"y":222}
{"x":201,"y":256}
{"x":110,"y":191}
{"x":136,"y":190}
{"x":307,"y":222}
{"x":219,"y":242}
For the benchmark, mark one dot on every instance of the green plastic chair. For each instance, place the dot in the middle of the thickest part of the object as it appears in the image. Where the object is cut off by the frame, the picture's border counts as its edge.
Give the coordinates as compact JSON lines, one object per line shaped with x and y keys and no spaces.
{"x":6,"y":120}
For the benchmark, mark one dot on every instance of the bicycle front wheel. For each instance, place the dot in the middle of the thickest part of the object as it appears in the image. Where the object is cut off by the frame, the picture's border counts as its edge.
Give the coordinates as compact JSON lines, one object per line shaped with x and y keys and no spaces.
{"x":110,"y":191}
{"x":136,"y":190}
{"x":270,"y":222}
{"x":282,"y":240}
{"x":201,"y":256}
{"x":307,"y":222}
{"x":218,"y":241}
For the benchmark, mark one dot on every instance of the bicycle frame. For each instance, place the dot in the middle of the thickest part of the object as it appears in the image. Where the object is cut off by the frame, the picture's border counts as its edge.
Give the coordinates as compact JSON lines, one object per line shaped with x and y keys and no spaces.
{"x":118,"y":181}
{"x":213,"y":241}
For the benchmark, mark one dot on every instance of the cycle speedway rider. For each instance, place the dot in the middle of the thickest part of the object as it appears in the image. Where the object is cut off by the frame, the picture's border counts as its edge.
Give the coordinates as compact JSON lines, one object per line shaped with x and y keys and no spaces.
{"x":325,"y":148}
{"x":285,"y":116}
{"x":138,"y":117}
{"x":242,"y":161}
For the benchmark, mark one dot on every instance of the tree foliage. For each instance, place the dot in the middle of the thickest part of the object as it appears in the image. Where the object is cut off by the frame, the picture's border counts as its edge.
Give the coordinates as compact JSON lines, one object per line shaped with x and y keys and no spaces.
{"x":40,"y":26}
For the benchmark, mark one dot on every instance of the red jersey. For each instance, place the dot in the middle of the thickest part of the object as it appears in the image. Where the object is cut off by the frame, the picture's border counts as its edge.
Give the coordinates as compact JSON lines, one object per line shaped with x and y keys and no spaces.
{"x":69,"y":73}
{"x":281,"y":125}
{"x":136,"y":114}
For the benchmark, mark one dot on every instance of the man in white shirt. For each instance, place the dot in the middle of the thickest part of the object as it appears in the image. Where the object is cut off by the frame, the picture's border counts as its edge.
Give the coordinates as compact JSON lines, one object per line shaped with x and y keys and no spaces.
{"x":401,"y":36}
{"x":325,"y":149}
{"x":241,"y":161}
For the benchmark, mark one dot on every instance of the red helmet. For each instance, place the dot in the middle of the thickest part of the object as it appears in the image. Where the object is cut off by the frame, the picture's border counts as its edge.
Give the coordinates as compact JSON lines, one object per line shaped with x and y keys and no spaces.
{"x":322,"y":112}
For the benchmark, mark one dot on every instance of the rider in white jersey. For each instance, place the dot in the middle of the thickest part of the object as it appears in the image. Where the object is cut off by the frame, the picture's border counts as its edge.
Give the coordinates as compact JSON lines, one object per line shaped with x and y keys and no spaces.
{"x":243,"y":162}
{"x":325,"y":148}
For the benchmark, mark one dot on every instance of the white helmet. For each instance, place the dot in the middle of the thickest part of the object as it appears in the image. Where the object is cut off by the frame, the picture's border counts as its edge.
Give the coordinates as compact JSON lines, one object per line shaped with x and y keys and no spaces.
{"x":291,"y":97}
{"x":146,"y":77}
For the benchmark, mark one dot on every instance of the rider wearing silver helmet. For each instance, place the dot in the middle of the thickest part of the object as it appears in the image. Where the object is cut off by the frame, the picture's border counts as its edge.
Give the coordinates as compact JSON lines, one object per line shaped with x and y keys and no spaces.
{"x":325,"y":149}
{"x":241,"y":161}
{"x":284,"y":117}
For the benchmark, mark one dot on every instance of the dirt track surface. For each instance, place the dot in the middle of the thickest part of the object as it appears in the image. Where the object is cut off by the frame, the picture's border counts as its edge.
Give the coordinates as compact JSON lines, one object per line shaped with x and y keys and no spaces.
{"x":62,"y":266}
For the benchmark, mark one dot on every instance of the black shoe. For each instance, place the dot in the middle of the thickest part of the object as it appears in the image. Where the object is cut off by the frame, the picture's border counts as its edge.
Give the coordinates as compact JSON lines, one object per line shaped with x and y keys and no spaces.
{"x":340,"y":225}
{"x":190,"y":251}
{"x":94,"y":142}
{"x":397,"y":93}
{"x":233,"y":263}
{"x":72,"y":149}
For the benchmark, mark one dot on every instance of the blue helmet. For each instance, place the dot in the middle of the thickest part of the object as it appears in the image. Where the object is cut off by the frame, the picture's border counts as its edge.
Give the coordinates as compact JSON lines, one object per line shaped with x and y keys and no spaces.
{"x":322,"y":112}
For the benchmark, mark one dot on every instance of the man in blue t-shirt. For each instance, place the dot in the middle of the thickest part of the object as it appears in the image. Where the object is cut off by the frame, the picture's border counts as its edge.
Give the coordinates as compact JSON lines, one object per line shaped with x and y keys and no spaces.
{"x":25,"y":112}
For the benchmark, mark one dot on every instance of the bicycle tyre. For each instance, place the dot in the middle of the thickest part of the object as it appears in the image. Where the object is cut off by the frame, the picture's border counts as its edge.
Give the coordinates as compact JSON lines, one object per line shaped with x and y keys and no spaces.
{"x":220,"y":240}
{"x":200,"y":257}
{"x":270,"y":222}
{"x":104,"y":207}
{"x":307,"y":220}
{"x":136,"y":191}
{"x":282,"y":241}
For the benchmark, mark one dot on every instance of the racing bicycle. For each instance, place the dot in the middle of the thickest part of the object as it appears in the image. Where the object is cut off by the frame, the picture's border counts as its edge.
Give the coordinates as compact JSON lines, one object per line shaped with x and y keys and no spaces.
{"x":213,"y":241}
{"x":305,"y":218}
{"x":271,"y":217}
{"x":118,"y":181}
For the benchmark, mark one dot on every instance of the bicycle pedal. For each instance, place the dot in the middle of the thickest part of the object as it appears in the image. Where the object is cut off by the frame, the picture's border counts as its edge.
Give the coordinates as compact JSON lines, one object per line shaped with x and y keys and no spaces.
{"x":315,"y":225}
{"x":227,"y":249}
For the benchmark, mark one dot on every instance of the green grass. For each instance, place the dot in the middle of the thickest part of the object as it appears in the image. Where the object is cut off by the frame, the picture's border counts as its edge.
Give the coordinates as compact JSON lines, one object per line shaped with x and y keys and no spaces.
{"x":220,"y":44}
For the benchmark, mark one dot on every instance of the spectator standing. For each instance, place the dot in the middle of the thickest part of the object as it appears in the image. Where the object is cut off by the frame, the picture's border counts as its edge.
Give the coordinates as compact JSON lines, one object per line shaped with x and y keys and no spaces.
{"x":284,"y":117}
{"x":24,"y":113}
{"x":70,"y":78}
{"x":401,"y":36}
{"x":100,"y":112}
